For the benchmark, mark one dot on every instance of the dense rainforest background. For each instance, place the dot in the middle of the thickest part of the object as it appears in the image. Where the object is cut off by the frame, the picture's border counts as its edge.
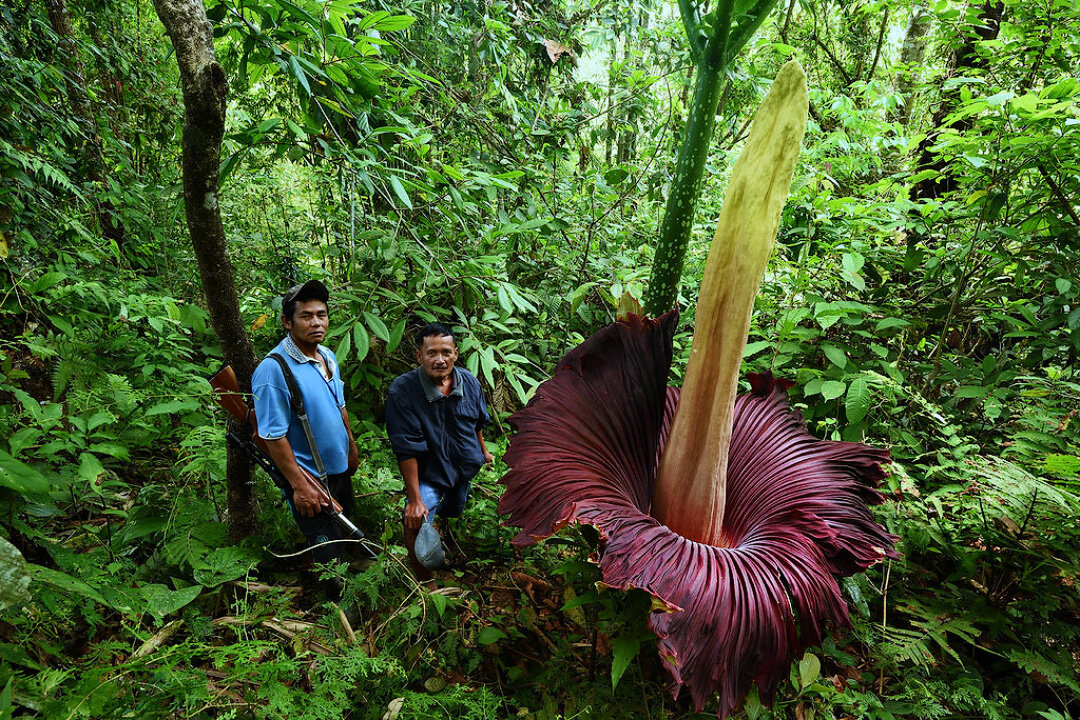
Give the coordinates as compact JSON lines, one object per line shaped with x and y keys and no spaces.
{"x":503,"y":165}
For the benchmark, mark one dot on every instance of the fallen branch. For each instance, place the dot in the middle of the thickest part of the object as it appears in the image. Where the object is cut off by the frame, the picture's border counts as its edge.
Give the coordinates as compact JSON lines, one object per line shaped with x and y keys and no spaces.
{"x":159,"y":638}
{"x":258,"y":587}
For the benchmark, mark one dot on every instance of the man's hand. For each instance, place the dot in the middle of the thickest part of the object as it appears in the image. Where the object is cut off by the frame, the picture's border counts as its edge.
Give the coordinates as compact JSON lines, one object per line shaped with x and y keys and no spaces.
{"x":415,"y":512}
{"x":308,"y":500}
{"x":488,"y":457}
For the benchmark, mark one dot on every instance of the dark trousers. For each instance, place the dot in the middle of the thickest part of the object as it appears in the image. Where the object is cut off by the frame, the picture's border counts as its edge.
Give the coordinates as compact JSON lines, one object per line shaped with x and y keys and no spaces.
{"x":321,"y":527}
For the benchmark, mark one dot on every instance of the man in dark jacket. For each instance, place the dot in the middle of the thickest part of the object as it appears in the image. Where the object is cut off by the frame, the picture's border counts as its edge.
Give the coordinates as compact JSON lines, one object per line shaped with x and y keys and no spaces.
{"x":435,"y":416}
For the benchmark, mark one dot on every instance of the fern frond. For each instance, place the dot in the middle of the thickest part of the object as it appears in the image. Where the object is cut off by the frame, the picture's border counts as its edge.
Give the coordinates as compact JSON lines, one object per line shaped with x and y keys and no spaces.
{"x":906,"y":646}
{"x":1059,"y":672}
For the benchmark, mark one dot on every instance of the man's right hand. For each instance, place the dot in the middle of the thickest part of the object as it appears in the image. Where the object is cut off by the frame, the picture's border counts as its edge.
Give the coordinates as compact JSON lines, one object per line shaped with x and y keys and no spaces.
{"x":415,"y":512}
{"x":307,"y":500}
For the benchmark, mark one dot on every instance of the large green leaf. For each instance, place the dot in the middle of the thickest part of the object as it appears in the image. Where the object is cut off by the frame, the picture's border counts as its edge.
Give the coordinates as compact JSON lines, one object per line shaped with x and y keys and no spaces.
{"x":65,"y":583}
{"x":21,"y":477}
{"x":857,"y":402}
{"x":399,"y":190}
{"x":162,"y":601}
{"x":362,"y":341}
{"x":377,"y":326}
{"x":832,"y":389}
{"x":623,"y":650}
{"x":224,"y":564}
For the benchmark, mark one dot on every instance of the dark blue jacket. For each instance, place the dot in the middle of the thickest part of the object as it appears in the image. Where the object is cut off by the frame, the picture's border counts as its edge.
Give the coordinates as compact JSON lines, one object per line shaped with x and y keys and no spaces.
{"x":438,"y":430}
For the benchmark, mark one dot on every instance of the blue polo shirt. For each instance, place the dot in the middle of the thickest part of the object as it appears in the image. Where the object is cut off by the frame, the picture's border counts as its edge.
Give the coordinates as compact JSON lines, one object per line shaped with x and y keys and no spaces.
{"x":323,"y":400}
{"x":438,"y":430}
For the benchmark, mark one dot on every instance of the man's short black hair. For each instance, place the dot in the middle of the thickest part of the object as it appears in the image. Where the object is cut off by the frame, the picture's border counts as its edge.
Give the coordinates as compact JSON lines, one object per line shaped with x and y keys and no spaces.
{"x":435,"y":330}
{"x":311,"y":290}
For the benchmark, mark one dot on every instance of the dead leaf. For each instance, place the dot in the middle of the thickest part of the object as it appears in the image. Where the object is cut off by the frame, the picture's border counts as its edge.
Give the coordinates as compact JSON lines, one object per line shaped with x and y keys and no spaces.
{"x":393,"y":709}
{"x":575,"y":613}
{"x":346,"y":625}
{"x":502,"y":598}
{"x":292,"y":630}
{"x":258,"y":587}
{"x":525,"y":579}
{"x":260,"y":321}
{"x":556,"y":50}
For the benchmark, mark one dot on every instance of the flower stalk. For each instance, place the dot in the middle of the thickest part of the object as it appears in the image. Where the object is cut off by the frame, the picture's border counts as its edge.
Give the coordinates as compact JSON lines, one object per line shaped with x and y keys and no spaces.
{"x":713,"y":54}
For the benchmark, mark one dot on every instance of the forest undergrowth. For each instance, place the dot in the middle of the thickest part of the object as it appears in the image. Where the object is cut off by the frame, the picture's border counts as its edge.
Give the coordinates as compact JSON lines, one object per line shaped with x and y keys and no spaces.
{"x":139,"y":607}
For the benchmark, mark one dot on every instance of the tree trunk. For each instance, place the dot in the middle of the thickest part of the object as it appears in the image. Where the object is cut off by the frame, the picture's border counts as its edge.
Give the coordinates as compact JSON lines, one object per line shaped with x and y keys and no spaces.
{"x":204,"y":86}
{"x":609,"y":122}
{"x":964,"y":60}
{"x":912,"y":54}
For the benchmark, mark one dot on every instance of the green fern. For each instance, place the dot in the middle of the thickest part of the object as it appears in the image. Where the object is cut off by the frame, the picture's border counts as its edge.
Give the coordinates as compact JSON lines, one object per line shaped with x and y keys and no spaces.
{"x":74,"y":371}
{"x":34,"y":165}
{"x":906,"y":647}
{"x":1022,"y":493}
{"x":1059,"y":671}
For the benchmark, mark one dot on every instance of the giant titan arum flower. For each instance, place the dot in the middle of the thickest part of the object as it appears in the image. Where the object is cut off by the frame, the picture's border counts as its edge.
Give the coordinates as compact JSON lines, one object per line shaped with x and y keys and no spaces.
{"x":724,"y":508}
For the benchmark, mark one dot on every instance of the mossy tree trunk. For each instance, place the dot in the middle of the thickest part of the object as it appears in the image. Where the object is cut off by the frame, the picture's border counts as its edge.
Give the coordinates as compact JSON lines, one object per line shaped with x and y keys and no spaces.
{"x":204,"y":87}
{"x":966,"y":60}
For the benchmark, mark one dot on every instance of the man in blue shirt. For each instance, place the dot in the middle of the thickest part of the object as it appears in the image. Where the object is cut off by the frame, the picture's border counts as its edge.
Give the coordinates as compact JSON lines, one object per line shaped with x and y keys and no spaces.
{"x":304,"y":315}
{"x":435,"y":416}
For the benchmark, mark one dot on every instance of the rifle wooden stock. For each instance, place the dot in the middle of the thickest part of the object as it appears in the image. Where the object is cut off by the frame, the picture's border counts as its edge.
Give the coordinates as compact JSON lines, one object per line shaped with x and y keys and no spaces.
{"x":229,"y":397}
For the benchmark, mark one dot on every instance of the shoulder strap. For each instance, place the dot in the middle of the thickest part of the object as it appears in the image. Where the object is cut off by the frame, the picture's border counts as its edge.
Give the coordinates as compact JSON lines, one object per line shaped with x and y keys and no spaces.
{"x":296,"y":399}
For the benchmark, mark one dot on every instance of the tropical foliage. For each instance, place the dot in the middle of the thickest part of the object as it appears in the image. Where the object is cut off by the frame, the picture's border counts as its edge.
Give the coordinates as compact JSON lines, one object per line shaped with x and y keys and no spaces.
{"x":505,"y":166}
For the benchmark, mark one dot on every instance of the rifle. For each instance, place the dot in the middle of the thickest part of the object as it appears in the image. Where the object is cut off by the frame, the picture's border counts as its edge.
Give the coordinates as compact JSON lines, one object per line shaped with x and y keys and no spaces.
{"x":228,"y":396}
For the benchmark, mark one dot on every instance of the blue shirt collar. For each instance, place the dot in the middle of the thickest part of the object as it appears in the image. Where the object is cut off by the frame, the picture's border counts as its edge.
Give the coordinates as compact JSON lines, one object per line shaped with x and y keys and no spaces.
{"x":431,"y":392}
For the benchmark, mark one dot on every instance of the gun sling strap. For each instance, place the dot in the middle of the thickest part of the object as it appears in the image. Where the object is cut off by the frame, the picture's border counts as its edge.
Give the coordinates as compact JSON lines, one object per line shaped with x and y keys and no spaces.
{"x":224,"y":382}
{"x":297,"y":402}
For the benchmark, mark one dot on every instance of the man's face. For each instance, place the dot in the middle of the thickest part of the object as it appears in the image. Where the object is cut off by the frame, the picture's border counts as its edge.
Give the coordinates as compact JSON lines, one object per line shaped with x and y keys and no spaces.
{"x":437,"y":356}
{"x":309,"y":322}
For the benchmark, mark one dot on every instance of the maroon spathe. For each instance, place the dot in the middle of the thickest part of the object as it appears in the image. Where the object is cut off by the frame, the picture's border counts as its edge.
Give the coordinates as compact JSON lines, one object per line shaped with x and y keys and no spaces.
{"x":585,"y":451}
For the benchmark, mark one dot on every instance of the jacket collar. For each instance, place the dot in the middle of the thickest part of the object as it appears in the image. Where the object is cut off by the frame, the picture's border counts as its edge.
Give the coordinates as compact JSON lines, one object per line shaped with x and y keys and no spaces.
{"x":431,"y":392}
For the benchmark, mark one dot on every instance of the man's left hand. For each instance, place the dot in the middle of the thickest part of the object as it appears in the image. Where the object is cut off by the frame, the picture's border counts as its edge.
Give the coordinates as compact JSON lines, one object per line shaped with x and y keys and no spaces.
{"x":488,"y":458}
